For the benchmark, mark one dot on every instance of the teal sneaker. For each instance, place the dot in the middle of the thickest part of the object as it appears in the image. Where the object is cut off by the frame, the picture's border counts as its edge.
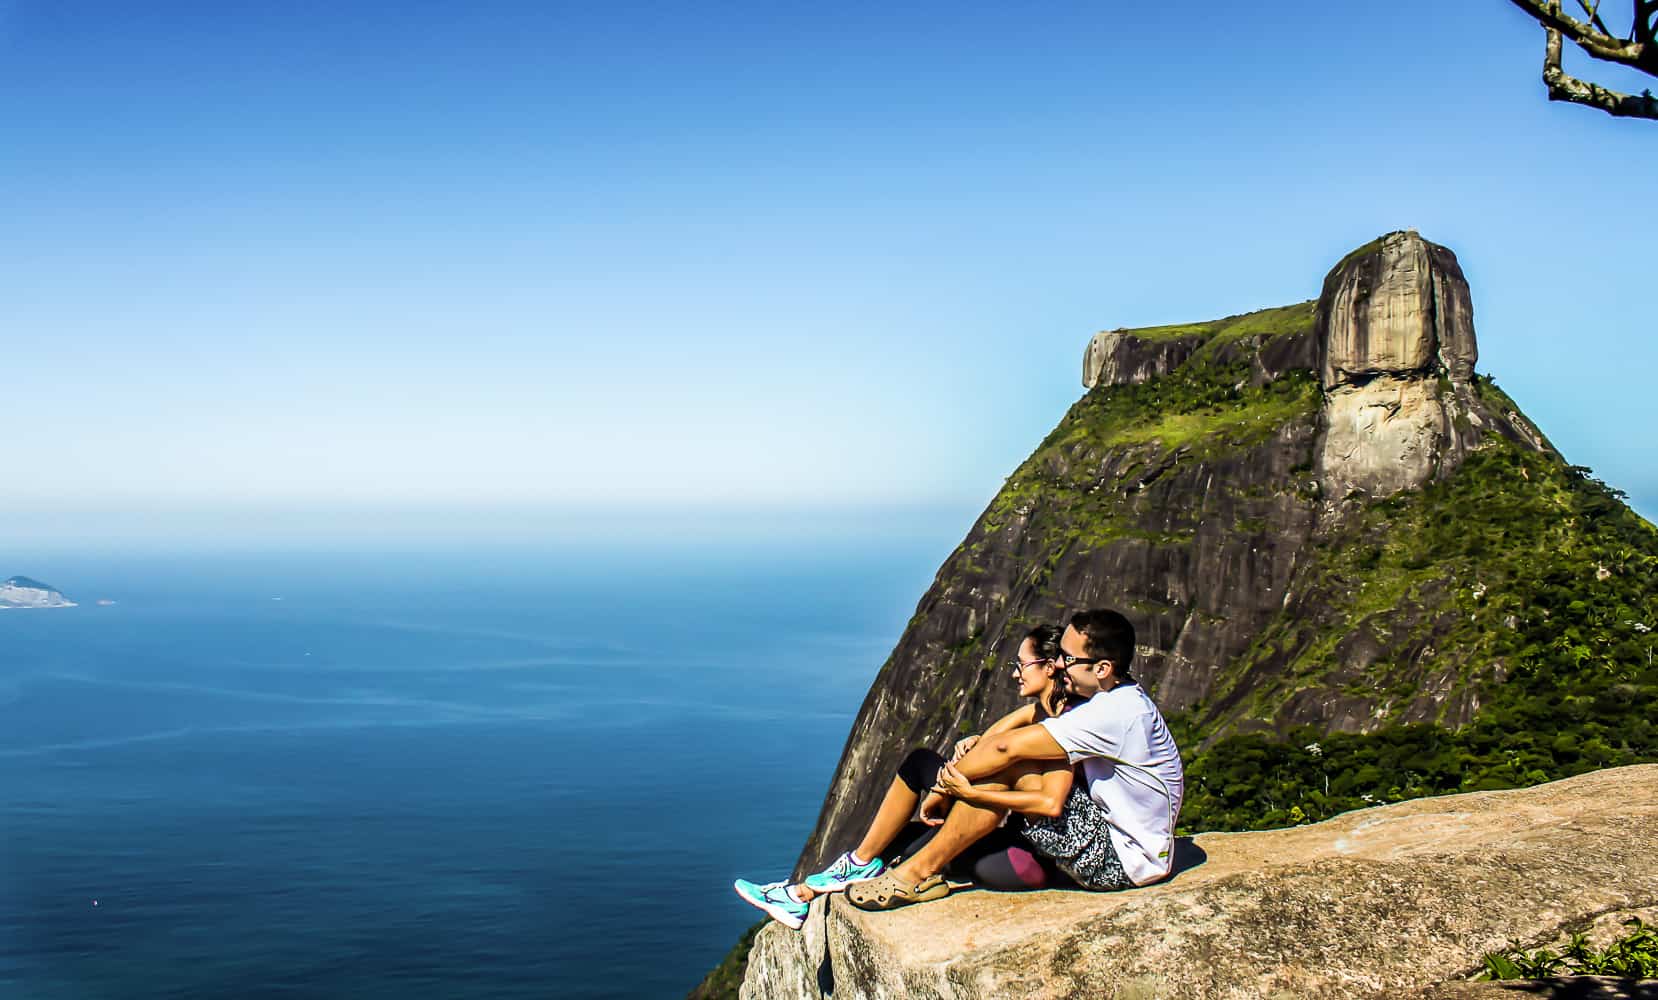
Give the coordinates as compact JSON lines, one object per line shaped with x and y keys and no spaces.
{"x":773,"y":898}
{"x":844,"y":872}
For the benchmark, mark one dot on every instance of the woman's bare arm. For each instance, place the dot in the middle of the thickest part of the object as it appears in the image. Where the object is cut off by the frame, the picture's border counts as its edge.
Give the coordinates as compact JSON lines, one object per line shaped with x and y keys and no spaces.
{"x":1046,"y":800}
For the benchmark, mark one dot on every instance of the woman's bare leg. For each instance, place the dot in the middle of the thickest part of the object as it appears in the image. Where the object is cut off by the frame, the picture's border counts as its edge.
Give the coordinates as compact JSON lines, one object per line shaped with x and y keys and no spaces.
{"x":896,"y":809}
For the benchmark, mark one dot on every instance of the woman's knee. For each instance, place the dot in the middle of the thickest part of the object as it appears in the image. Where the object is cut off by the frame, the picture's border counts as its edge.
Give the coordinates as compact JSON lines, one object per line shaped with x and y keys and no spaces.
{"x":919,"y":771}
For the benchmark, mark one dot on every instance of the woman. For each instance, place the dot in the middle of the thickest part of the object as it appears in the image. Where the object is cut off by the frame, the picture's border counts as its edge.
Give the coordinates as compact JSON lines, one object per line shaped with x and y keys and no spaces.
{"x":1001,"y":861}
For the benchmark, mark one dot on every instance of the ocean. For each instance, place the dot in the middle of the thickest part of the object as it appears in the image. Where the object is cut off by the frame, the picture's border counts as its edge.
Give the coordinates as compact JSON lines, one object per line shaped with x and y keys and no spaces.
{"x":479,"y":773}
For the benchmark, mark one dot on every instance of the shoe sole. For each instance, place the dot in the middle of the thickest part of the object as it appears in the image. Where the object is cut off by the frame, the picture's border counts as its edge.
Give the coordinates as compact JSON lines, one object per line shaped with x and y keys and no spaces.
{"x":777,"y":913}
{"x":936,"y":889}
{"x":843,"y":886}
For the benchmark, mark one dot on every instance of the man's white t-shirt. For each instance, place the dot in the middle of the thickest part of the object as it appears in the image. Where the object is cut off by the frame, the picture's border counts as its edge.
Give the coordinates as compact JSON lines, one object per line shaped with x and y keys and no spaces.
{"x":1134,"y":773}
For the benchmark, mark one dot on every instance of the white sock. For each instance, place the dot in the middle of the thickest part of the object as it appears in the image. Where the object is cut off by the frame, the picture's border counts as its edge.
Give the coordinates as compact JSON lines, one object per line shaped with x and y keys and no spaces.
{"x":860,"y":862}
{"x":794,"y":895}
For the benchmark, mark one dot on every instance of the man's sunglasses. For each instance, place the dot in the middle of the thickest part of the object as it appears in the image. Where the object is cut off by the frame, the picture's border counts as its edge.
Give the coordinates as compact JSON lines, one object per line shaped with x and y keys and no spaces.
{"x":1080,"y":661}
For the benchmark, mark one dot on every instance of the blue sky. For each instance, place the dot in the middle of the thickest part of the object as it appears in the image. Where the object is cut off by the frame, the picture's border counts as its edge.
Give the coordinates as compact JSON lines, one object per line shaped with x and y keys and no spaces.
{"x":510,"y":265}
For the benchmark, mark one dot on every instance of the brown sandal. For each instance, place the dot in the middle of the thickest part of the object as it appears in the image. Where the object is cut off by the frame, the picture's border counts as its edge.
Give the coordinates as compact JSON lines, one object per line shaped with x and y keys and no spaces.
{"x":887,"y":893}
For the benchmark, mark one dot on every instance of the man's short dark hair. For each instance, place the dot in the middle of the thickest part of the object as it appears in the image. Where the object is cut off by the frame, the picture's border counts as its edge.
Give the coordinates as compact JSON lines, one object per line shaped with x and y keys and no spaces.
{"x":1108,"y":636}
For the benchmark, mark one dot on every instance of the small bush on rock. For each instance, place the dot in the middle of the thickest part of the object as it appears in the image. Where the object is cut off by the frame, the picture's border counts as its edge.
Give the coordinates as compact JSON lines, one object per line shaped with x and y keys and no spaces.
{"x":1633,"y":956}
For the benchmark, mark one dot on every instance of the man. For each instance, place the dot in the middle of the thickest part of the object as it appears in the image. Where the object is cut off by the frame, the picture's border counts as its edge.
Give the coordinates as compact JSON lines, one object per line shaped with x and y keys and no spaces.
{"x":1115,"y":831}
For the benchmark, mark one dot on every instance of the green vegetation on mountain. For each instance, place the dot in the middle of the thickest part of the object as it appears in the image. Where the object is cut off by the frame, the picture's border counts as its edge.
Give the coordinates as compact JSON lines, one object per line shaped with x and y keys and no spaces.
{"x":724,"y":980}
{"x":1205,"y":407}
{"x":1204,"y":404}
{"x":1268,"y":322}
{"x":1552,"y":583}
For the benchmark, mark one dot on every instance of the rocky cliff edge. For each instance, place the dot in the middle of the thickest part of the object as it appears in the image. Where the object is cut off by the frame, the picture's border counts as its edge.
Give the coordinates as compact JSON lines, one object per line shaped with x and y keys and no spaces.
{"x":1372,"y":903}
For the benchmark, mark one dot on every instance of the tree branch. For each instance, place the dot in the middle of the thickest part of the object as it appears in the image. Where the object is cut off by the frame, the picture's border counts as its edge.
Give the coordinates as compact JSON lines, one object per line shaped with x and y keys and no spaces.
{"x":1594,"y":16}
{"x":1645,"y":28}
{"x":1563,"y":87}
{"x":1634,"y":52}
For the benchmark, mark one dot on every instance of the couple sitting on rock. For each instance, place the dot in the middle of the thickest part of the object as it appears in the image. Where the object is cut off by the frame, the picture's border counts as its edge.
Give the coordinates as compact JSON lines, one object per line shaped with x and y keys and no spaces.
{"x":1089,"y":767}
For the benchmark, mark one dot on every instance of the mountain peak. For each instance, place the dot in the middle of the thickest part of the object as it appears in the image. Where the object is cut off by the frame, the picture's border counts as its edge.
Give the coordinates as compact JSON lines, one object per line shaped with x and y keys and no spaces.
{"x":1399,"y":305}
{"x":1395,"y":334}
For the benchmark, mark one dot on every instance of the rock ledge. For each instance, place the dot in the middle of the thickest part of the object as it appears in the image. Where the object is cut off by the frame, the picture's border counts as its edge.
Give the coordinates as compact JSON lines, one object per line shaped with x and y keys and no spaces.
{"x":1367,"y":904}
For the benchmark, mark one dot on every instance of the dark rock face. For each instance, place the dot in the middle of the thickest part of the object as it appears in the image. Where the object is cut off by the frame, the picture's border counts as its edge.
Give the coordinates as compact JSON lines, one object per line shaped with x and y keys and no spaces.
{"x":1118,"y":357}
{"x":1202,"y":487}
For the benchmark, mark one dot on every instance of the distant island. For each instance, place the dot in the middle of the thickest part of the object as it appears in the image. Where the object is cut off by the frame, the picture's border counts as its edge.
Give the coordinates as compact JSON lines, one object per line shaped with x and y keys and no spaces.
{"x":22,"y":592}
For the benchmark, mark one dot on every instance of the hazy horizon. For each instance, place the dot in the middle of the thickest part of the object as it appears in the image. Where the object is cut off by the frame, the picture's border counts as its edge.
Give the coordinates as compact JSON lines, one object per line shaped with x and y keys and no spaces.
{"x":48,"y":535}
{"x":54,"y":535}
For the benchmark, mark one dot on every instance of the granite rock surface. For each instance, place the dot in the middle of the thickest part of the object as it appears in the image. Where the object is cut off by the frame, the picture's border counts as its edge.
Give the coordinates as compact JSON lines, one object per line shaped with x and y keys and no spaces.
{"x":1383,"y":902}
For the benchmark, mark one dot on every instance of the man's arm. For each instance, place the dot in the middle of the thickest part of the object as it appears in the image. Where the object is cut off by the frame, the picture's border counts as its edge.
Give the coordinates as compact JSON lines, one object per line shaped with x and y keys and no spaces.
{"x":993,"y":754}
{"x":1047,"y":799}
{"x":1024,"y":715}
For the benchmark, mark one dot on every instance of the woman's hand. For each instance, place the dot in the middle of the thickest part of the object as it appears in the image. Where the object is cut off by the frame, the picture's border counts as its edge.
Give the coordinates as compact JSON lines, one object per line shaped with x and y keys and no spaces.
{"x":963,"y":745}
{"x":934,"y":807}
{"x":953,"y":783}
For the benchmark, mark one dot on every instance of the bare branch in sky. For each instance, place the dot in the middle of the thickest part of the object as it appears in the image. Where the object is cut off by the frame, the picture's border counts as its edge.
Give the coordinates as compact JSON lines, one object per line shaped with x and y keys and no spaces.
{"x":1638,"y":51}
